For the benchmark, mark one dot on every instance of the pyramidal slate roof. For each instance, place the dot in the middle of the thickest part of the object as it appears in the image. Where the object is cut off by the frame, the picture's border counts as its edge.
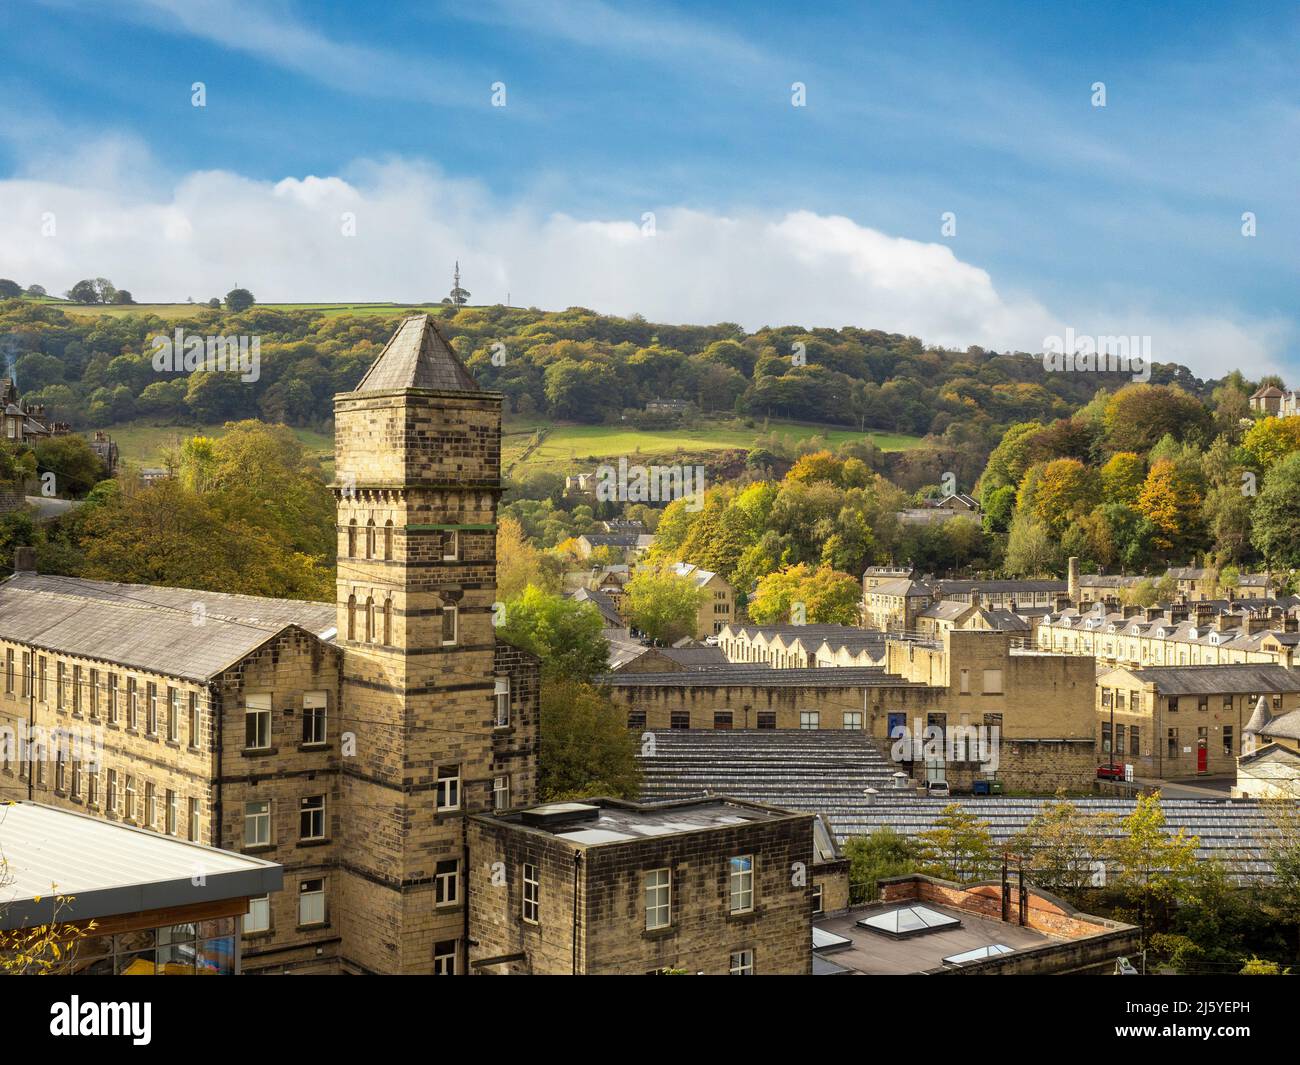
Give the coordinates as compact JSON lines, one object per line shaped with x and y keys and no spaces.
{"x":417,"y":356}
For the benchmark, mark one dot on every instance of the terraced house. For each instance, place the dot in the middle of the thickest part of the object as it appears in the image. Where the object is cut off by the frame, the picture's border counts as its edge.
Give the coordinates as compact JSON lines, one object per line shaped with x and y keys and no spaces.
{"x":1202,"y":633}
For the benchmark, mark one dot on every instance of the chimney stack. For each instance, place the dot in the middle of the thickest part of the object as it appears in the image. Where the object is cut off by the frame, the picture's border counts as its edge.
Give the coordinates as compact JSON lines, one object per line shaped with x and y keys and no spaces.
{"x":1072,"y":578}
{"x":24,"y":560}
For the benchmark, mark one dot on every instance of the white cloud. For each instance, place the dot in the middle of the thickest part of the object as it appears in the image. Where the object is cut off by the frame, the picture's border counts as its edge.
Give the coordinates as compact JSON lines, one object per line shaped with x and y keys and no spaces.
{"x":284,"y":240}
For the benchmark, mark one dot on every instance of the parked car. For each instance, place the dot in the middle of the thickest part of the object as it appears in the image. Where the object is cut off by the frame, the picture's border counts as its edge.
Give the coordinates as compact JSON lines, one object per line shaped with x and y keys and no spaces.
{"x":711,"y":641}
{"x":938,"y":789}
{"x":1110,"y":772}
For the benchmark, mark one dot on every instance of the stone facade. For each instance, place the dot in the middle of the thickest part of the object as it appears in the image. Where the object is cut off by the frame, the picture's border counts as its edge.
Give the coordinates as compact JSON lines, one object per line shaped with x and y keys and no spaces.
{"x":417,"y":484}
{"x":1162,"y":734}
{"x":1042,"y":705}
{"x":591,"y":915}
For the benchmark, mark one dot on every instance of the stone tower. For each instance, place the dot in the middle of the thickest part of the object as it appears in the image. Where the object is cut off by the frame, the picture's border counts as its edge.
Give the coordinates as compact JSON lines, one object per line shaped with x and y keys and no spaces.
{"x":417,"y":460}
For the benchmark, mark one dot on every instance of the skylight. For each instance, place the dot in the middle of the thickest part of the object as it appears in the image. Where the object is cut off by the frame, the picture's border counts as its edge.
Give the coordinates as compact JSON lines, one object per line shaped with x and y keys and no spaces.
{"x":993,"y":950}
{"x":909,"y":921}
{"x":824,"y":940}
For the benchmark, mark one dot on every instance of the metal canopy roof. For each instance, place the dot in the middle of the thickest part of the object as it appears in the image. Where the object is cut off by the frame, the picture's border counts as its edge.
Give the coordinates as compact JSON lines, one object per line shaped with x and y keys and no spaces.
{"x":110,"y":868}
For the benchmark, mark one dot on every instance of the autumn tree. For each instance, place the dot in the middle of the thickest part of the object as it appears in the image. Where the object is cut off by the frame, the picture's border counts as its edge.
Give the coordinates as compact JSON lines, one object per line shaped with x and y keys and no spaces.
{"x":520,"y":564}
{"x":1150,"y":868}
{"x":1269,"y":440}
{"x":166,"y":535}
{"x":1171,"y":501}
{"x":1061,"y":846}
{"x":959,"y":847}
{"x":1139,"y":415}
{"x":1031,"y":550}
{"x":1066,"y":491}
{"x":821,"y":596}
{"x":1122,"y":477}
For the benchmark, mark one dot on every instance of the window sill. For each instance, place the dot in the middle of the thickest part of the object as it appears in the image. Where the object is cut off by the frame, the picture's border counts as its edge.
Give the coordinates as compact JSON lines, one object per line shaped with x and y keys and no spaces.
{"x":659,"y":933}
{"x":314,"y":927}
{"x":259,"y":848}
{"x":310,"y":748}
{"x":313,"y":843}
{"x":258,"y":752}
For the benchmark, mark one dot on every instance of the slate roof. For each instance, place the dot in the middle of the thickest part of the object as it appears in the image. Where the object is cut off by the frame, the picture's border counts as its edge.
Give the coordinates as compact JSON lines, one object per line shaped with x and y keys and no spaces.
{"x":602,"y":602}
{"x":417,"y":356}
{"x":611,"y":539}
{"x":946,"y":588}
{"x":149,"y":628}
{"x":694,"y":657}
{"x":825,"y":632}
{"x":827,"y":771}
{"x":1244,"y":677}
{"x":1285,"y":725}
{"x":747,"y":674}
{"x":906,"y":588}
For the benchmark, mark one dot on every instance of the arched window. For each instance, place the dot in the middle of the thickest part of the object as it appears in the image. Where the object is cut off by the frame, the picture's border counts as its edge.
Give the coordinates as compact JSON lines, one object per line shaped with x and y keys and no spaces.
{"x":370,"y":538}
{"x":370,"y":620}
{"x":352,"y":617}
{"x":352,"y":538}
{"x":388,"y":622}
{"x":388,"y":540}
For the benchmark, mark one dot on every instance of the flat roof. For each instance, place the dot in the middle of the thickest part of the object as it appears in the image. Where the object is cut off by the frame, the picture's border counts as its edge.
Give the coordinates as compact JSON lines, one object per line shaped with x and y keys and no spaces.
{"x":107,"y":868}
{"x":873,"y":954}
{"x":599,"y":821}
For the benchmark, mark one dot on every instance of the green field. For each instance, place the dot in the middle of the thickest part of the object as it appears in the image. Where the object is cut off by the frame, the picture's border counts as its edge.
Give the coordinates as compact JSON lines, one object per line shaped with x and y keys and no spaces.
{"x":141,"y":444}
{"x":566,"y":445}
{"x":187,"y":310}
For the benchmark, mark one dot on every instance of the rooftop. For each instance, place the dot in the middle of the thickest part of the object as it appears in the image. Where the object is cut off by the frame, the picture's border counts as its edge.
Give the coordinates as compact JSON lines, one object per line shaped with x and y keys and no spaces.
{"x":178,"y":632}
{"x":1245,"y":677}
{"x":747,"y":674}
{"x":110,"y":868}
{"x":827,"y":772}
{"x":598,"y":821}
{"x":872,"y":953}
{"x":417,"y":356}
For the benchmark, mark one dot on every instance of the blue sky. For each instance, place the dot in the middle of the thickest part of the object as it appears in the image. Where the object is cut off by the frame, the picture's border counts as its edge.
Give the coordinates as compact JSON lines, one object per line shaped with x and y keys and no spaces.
{"x":1125,"y":218}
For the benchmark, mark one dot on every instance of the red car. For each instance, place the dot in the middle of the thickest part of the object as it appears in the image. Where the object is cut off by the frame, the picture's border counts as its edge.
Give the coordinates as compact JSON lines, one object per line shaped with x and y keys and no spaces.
{"x":1110,"y":772}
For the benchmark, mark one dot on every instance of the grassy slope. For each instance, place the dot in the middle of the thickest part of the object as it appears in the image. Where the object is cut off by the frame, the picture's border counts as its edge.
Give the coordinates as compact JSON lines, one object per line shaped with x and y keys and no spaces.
{"x":142,"y":444}
{"x":570,"y":444}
